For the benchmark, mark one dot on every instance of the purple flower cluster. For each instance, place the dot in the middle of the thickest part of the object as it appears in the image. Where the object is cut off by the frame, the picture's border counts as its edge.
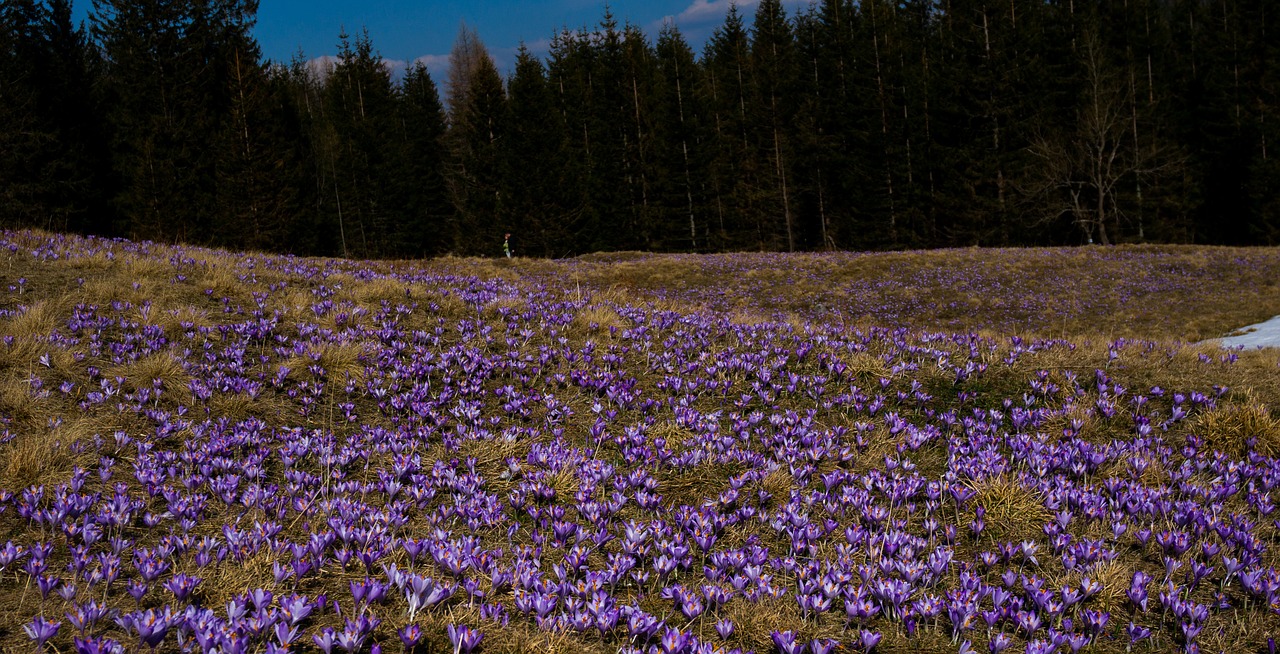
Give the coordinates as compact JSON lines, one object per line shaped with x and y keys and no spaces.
{"x":455,"y":459}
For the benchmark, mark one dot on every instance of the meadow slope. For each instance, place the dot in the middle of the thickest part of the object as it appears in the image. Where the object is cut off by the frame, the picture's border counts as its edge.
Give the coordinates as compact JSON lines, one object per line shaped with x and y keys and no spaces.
{"x":1003,"y":450}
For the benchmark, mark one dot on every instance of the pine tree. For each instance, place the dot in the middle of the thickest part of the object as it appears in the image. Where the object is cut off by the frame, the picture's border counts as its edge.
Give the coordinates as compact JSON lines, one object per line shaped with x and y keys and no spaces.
{"x":813,"y":151}
{"x":679,"y":139}
{"x":163,"y":104}
{"x":464,"y":58}
{"x":365,"y":156}
{"x":774,"y":72}
{"x":23,"y":137}
{"x":994,"y":95}
{"x":639,"y":77}
{"x":735,"y":169}
{"x":301,"y":91}
{"x":610,"y":196}
{"x":831,"y":109}
{"x":569,"y":78}
{"x":258,"y":198}
{"x":1262,"y":22}
{"x":428,"y":212}
{"x":536,"y":179}
{"x":480,"y":128}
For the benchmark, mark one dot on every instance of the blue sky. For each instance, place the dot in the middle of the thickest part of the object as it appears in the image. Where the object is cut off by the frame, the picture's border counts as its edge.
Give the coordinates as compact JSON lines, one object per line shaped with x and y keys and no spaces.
{"x":404,"y":31}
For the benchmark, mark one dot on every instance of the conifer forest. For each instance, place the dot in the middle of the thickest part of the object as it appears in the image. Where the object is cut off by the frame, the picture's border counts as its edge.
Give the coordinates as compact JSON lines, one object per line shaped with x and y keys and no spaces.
{"x":879,"y":124}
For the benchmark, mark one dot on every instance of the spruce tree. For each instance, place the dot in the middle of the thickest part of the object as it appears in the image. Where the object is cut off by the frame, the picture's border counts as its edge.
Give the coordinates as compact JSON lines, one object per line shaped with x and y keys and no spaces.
{"x":361,"y":112}
{"x":735,"y":168}
{"x":774,"y":73}
{"x":428,"y":212}
{"x":23,"y":139}
{"x":537,"y":185}
{"x":639,"y":76}
{"x":680,"y":141}
{"x":480,"y":127}
{"x":255,"y":149}
{"x":165,"y":98}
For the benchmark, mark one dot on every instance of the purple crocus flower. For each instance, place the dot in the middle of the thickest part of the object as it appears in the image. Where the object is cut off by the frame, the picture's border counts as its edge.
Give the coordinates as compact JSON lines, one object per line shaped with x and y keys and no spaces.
{"x":868,"y":639}
{"x":1135,"y":633}
{"x":41,"y":630}
{"x":464,"y":638}
{"x":181,"y":585}
{"x":409,"y":636}
{"x":150,"y":625}
{"x":787,"y":642}
{"x":98,"y":646}
{"x":326,"y":639}
{"x":724,"y":627}
{"x":823,"y":645}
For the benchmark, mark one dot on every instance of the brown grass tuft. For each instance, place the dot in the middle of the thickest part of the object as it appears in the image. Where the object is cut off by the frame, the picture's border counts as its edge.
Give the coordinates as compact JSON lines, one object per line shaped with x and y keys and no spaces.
{"x":754,"y":623}
{"x":373,"y":292}
{"x":1013,"y":511}
{"x":598,"y":319}
{"x":506,"y":304}
{"x":234,"y":406}
{"x":1230,"y":427}
{"x":16,"y":401}
{"x":224,"y":582}
{"x":144,"y":372}
{"x":171,"y":320}
{"x":446,"y":305}
{"x":565,"y":483}
{"x":36,"y":323}
{"x":778,"y":484}
{"x":866,"y":366}
{"x":1115,"y":577}
{"x":223,"y":280}
{"x":33,"y":459}
{"x":698,"y":484}
{"x":342,"y":359}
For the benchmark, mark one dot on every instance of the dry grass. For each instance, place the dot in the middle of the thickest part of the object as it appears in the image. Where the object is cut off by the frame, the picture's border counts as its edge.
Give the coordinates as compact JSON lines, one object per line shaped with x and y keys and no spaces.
{"x":598,"y":319}
{"x":172,"y":320}
{"x":34,"y":458}
{"x":1013,"y":512}
{"x":565,"y":483}
{"x":442,"y":303}
{"x":17,"y":402}
{"x":373,"y":292}
{"x":755,"y":622}
{"x":778,"y":484}
{"x":866,"y":367}
{"x":1188,"y":293}
{"x":781,"y":291}
{"x":222,"y":279}
{"x":224,"y":582}
{"x":162,"y":367}
{"x":36,"y":323}
{"x":505,"y":305}
{"x":1232,"y":425}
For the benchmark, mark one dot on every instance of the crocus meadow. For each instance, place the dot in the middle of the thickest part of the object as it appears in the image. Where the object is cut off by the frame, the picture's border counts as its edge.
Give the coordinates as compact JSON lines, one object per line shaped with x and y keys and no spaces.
{"x":203,"y":451}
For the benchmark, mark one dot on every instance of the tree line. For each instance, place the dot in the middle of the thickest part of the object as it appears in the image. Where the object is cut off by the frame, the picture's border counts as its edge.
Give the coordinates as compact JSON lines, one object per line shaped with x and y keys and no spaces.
{"x":848,"y":125}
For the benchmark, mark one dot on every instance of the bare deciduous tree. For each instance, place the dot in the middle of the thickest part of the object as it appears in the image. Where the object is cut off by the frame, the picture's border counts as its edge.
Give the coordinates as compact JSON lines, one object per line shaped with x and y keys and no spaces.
{"x":1084,"y":163}
{"x":464,"y":58}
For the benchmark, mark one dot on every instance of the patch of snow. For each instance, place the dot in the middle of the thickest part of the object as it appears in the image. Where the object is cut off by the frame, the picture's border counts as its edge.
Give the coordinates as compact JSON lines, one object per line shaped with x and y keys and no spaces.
{"x":1263,"y":334}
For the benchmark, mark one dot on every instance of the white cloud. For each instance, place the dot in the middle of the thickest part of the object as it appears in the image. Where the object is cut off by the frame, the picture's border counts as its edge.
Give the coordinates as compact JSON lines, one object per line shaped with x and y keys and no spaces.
{"x":437,"y":64}
{"x":396,"y":67}
{"x":323,"y":65}
{"x":707,"y":11}
{"x":505,"y":58}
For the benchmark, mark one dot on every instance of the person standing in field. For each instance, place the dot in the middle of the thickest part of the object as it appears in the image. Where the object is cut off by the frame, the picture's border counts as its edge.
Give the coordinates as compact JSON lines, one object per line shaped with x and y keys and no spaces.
{"x":506,"y":244}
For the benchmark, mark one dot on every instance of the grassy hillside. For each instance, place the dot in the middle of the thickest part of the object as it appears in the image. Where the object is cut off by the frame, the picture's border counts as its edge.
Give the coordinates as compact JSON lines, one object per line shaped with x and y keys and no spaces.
{"x":890,"y":452}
